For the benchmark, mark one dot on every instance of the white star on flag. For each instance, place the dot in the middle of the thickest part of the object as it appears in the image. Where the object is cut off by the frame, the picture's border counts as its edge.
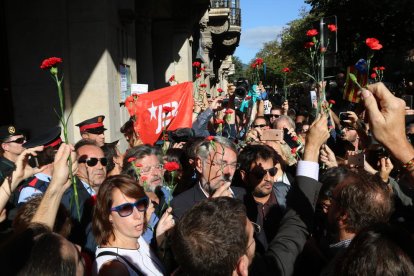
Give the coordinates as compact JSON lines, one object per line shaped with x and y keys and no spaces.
{"x":152,"y":110}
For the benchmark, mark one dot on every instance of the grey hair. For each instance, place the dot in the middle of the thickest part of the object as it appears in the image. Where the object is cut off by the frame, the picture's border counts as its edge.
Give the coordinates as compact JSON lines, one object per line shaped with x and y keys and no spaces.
{"x":205,"y":148}
{"x":286,"y":119}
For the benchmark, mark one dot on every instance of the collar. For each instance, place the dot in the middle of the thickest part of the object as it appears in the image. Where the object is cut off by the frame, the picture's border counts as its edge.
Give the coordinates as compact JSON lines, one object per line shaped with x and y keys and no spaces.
{"x":283,"y":179}
{"x":88,"y":188}
{"x":44,"y":177}
{"x":341,"y":244}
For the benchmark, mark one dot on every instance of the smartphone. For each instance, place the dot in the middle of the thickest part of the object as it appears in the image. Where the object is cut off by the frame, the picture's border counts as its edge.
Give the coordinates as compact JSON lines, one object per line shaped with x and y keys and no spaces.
{"x":289,"y":139}
{"x":343,"y":116}
{"x":356,"y":160}
{"x":272,"y":135}
{"x":33,"y":162}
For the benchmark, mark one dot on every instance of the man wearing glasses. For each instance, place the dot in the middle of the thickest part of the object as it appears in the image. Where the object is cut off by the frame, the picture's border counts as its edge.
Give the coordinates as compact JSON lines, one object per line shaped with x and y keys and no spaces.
{"x":11,"y":141}
{"x":257,"y":171}
{"x":215,"y":163}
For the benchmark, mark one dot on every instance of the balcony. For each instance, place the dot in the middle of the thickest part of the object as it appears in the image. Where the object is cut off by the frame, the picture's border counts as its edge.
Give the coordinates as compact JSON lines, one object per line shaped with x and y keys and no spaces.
{"x":235,"y":17}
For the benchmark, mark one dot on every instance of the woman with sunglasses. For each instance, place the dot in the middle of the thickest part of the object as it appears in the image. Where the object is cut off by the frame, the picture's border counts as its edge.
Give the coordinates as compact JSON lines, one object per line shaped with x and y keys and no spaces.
{"x":118,"y":224}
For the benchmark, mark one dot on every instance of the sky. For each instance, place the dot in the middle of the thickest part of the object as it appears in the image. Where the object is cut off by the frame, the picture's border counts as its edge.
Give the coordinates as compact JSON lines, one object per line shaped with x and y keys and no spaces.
{"x":262,"y":21}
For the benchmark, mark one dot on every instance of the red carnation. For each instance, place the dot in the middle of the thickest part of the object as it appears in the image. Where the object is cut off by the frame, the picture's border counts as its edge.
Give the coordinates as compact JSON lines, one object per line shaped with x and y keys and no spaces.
{"x":172,"y":78}
{"x":219,"y":90}
{"x":197,"y":76}
{"x":373,"y":76}
{"x":286,"y":70}
{"x":259,"y":61}
{"x":309,"y":44}
{"x":254,"y":65}
{"x":373,"y":43}
{"x":312,"y":32}
{"x":295,"y":138}
{"x":202,"y":68}
{"x":219,"y":121}
{"x":138,"y":165}
{"x":167,"y":109}
{"x":93,"y":199}
{"x":196,"y":64}
{"x":332,"y":102}
{"x":248,"y":98}
{"x":228,"y":111}
{"x":210,"y":138}
{"x":171,"y":166}
{"x":203,"y":85}
{"x":50,"y":62}
{"x":323,"y":49}
{"x":381,"y":68}
{"x":131,"y":159}
{"x":143,"y":178}
{"x":332,"y":27}
{"x":293,"y":151}
{"x":375,"y":68}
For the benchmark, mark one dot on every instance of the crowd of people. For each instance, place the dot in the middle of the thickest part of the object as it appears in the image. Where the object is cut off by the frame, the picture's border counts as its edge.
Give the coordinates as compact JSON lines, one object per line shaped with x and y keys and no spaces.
{"x":294,"y":189}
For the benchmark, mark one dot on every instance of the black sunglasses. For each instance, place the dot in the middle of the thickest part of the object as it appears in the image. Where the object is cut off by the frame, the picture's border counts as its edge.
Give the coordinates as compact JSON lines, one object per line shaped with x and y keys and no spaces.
{"x":126,"y":209}
{"x":20,"y":140}
{"x":262,"y":125}
{"x":259,"y":173}
{"x":274,"y":115}
{"x":91,"y":162}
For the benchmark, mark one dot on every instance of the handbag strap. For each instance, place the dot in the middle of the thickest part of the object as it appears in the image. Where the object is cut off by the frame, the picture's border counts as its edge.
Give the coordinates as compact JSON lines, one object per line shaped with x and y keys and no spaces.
{"x":110,"y":253}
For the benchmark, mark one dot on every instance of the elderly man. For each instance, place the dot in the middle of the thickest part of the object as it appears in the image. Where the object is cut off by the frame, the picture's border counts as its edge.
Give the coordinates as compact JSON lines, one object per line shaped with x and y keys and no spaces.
{"x":93,"y":129}
{"x":216,"y":162}
{"x":11,"y":141}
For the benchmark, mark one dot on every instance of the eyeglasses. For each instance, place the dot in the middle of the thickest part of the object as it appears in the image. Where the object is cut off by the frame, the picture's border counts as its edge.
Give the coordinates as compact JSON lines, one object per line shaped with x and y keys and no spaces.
{"x":259,"y":173}
{"x":148,"y":169}
{"x":222,"y":165}
{"x":262,"y":125}
{"x":274,"y":115}
{"x":91,"y":162}
{"x":20,"y":141}
{"x":126,"y":209}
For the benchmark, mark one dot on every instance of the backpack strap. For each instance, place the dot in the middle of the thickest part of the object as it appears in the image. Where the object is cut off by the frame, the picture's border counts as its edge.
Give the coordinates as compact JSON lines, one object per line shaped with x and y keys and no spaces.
{"x":132,"y":266}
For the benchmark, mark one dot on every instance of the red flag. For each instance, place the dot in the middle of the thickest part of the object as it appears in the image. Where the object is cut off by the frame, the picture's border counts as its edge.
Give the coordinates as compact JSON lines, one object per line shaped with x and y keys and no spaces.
{"x":351,"y":89}
{"x":150,"y":118}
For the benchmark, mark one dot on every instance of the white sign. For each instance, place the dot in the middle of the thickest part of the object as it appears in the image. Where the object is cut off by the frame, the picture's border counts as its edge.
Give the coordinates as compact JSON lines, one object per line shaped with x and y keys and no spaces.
{"x":313,"y":97}
{"x":267,"y":107}
{"x":139,"y":88}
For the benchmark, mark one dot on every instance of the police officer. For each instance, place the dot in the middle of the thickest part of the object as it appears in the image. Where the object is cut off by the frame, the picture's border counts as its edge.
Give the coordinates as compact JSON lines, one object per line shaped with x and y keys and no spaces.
{"x":11,"y":140}
{"x":50,"y":140}
{"x":93,"y":129}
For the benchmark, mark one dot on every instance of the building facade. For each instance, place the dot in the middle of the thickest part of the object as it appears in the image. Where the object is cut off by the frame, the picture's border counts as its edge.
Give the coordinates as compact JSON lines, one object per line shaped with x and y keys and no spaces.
{"x":106,"y":46}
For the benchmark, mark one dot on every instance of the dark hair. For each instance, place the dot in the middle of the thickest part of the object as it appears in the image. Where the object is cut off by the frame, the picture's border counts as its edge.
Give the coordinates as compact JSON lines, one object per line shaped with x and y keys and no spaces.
{"x":49,"y":257}
{"x":138,"y":152}
{"x":47,"y":156}
{"x":211,"y":237}
{"x":251,"y":153}
{"x":85,"y":142}
{"x":379,"y":250}
{"x":110,"y":153}
{"x":364,"y":200}
{"x":330,"y":179}
{"x":101,"y":226}
{"x":25,"y":213}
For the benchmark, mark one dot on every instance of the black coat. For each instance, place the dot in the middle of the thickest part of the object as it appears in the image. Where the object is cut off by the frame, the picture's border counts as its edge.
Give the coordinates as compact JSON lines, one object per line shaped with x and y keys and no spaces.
{"x":279,"y":259}
{"x":184,"y":201}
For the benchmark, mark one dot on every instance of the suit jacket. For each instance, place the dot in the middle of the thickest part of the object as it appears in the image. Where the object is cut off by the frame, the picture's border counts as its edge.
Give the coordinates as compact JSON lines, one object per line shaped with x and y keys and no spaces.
{"x":293,"y":231}
{"x":184,"y":201}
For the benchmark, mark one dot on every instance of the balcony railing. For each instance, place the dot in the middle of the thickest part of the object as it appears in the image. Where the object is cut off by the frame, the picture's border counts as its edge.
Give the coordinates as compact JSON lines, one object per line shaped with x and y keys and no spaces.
{"x":235,"y":17}
{"x":216,"y":4}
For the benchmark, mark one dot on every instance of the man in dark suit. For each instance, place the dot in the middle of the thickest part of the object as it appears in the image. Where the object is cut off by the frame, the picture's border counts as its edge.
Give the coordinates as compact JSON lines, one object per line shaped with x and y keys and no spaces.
{"x":211,"y":240}
{"x":216,"y":162}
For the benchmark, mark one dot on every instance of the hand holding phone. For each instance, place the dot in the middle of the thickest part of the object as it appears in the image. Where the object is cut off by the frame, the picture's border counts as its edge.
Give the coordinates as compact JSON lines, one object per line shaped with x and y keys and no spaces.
{"x":272,"y":135}
{"x":288,"y":138}
{"x":356,"y":160}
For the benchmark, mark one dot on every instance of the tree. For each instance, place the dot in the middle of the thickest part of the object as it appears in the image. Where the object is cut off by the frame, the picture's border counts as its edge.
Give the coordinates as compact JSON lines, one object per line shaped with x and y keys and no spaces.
{"x":239,"y":69}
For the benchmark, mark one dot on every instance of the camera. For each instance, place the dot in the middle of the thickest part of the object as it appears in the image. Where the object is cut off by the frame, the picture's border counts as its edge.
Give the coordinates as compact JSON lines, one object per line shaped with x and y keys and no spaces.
{"x":242,"y":87}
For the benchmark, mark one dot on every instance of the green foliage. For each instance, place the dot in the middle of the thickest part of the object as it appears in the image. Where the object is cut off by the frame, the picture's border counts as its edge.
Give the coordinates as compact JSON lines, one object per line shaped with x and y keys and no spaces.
{"x":239,"y":69}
